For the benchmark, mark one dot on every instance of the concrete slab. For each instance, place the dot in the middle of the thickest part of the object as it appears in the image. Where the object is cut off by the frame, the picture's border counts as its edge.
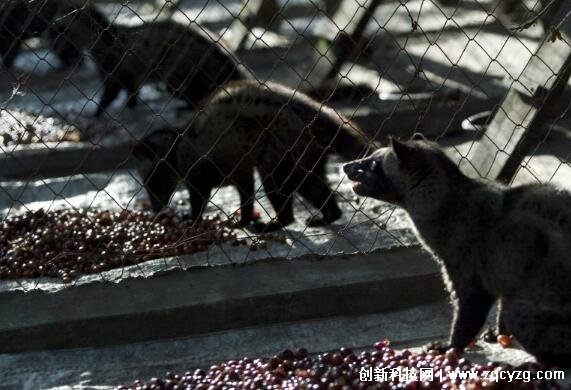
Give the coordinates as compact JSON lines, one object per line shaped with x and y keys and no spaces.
{"x":59,"y":159}
{"x":205,"y":299}
{"x":105,"y":367}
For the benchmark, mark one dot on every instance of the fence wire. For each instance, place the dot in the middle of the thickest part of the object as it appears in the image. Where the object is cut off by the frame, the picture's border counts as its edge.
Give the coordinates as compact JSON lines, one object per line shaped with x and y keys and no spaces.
{"x":140,"y":136}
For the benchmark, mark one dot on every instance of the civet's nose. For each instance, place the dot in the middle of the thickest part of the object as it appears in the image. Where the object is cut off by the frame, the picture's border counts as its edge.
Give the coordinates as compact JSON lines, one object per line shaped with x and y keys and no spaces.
{"x":353,"y":169}
{"x":349,"y":168}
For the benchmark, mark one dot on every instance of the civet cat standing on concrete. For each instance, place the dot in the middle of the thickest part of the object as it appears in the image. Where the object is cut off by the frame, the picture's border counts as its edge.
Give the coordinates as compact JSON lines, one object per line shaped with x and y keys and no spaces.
{"x":494,"y":243}
{"x":186,"y":59}
{"x":283,"y":133}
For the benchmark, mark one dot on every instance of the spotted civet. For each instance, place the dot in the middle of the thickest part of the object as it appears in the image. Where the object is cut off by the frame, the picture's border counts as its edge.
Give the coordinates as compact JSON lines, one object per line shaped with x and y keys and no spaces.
{"x":245,"y":125}
{"x":494,"y":243}
{"x":23,"y":19}
{"x":185,"y":59}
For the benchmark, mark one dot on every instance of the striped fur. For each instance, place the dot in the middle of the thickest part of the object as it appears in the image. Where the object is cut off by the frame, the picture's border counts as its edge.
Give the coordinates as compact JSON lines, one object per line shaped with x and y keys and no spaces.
{"x":284,"y":134}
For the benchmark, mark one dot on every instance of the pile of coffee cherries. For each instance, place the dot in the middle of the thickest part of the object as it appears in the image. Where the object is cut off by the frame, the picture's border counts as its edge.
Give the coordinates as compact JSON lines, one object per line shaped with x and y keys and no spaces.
{"x":21,"y":128}
{"x":66,"y":244}
{"x":343,"y":369}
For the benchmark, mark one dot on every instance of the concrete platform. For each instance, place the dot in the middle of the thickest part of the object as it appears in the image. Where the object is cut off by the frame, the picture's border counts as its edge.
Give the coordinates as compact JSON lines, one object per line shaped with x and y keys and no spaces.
{"x":205,"y":299}
{"x":101,"y":368}
{"x":106,"y":367}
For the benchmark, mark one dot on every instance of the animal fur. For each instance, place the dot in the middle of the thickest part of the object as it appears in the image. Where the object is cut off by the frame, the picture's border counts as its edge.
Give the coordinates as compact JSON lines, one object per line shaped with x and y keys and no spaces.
{"x":494,"y":243}
{"x":283,"y":133}
{"x":185,"y":59}
{"x":23,"y":19}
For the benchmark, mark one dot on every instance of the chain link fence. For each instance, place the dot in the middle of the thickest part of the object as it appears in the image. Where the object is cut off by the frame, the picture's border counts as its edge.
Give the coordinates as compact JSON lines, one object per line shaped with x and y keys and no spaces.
{"x":139,"y":136}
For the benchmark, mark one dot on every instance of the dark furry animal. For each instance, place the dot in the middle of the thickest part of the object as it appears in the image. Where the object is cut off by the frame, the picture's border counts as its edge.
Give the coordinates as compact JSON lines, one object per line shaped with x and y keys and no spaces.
{"x":494,"y":243}
{"x":24,"y":19}
{"x":185,"y":59}
{"x":283,"y":133}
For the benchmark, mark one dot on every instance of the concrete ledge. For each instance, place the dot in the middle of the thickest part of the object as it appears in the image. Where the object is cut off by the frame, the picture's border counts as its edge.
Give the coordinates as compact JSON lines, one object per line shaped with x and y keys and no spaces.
{"x":63,"y":161}
{"x":179,"y":303}
{"x":106,"y":367}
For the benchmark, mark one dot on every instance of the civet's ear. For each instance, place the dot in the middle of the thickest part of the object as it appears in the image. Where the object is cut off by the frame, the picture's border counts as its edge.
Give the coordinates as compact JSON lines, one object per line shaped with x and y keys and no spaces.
{"x":404,"y":151}
{"x":418,"y":137}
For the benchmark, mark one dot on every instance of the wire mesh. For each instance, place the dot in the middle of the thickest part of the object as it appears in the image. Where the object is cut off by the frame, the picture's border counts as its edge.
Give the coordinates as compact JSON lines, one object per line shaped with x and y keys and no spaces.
{"x":147,"y":135}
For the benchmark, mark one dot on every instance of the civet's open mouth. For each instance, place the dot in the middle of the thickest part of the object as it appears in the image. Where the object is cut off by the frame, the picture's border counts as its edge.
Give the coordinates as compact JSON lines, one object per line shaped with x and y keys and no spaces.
{"x":361,"y":188}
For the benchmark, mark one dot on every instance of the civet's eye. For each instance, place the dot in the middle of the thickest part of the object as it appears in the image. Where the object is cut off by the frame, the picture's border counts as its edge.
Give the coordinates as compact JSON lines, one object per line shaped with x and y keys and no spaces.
{"x":373,"y":165}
